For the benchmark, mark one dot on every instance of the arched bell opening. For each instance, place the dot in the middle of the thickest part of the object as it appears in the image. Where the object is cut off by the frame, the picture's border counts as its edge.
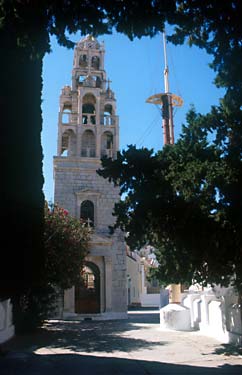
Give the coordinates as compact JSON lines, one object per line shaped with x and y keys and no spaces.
{"x":109,"y":118}
{"x":95,"y":63}
{"x":89,"y":110}
{"x":87,"y":291}
{"x":83,"y":61}
{"x":107,"y":144}
{"x":88,"y":144}
{"x":68,"y":143}
{"x":66,"y":113}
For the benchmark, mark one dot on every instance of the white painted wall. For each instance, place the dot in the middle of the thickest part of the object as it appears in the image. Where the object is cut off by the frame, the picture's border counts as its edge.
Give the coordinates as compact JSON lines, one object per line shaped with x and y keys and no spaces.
{"x":6,"y":321}
{"x":215,"y":312}
{"x":150,"y":300}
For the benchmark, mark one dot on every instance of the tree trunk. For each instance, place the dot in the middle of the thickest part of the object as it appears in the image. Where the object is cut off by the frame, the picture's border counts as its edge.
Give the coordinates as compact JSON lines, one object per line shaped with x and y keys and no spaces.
{"x":22,"y":200}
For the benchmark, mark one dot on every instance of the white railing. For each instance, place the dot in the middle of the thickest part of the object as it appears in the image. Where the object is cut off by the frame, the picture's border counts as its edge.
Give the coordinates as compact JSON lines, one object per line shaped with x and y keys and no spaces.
{"x":88,"y":119}
{"x":88,"y":152}
{"x":109,"y":120}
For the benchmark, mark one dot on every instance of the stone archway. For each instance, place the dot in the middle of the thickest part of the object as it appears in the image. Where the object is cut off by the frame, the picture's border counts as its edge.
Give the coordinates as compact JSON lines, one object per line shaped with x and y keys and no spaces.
{"x":87,"y":292}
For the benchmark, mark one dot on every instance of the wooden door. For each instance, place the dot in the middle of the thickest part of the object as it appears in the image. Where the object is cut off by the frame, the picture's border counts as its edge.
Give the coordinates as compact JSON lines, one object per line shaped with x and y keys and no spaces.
{"x":87,"y":292}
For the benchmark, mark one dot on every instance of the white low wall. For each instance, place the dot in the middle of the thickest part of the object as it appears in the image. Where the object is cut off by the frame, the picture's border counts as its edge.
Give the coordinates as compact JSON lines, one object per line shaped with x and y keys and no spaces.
{"x":150,"y":300}
{"x":216,"y":313}
{"x":6,"y":321}
{"x":175,"y":316}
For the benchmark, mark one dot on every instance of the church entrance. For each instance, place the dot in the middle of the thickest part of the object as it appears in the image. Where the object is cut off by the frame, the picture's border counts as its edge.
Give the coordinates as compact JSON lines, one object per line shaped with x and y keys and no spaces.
{"x":87,"y":292}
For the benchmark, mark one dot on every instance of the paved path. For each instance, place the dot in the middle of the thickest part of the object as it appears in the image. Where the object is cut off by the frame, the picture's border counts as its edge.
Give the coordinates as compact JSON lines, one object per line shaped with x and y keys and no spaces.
{"x":135,"y":346}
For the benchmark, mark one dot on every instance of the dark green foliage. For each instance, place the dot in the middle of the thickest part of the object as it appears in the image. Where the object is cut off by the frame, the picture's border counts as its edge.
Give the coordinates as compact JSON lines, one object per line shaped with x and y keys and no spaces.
{"x":194,"y":215}
{"x":32,"y":308}
{"x":186,"y":201}
{"x":216,"y":27}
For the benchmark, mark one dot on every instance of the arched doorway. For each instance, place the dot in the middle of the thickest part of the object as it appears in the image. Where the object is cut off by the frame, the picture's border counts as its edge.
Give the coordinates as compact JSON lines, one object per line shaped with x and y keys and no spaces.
{"x":87,"y":292}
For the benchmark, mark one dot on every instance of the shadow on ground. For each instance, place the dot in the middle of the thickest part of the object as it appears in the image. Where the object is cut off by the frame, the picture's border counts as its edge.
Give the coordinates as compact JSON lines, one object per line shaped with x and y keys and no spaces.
{"x":149,"y":316}
{"x":103,"y":338}
{"x":74,"y":364}
{"x":229,"y":349}
{"x":91,"y":336}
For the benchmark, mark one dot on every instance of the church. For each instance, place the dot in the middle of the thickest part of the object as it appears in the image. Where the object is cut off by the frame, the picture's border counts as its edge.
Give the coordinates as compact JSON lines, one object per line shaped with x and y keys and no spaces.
{"x":88,"y":129}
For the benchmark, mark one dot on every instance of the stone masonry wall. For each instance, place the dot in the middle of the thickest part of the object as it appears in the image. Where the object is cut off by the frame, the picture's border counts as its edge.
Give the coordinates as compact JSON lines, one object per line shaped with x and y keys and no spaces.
{"x":76,"y":181}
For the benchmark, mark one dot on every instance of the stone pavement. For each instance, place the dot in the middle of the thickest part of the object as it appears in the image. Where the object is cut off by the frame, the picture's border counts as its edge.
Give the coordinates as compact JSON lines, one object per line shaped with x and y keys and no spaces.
{"x":134,"y":346}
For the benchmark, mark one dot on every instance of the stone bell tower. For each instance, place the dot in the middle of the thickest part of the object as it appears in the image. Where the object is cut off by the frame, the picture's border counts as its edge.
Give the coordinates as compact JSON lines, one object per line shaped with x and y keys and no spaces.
{"x":88,"y":128}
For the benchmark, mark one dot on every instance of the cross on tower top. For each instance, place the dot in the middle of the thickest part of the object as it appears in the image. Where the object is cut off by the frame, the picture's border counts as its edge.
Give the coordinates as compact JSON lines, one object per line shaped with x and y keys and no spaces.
{"x":109,"y":81}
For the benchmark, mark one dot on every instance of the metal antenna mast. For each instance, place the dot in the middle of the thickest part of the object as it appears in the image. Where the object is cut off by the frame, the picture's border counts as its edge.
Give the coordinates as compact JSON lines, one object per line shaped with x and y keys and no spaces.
{"x":167,"y":102}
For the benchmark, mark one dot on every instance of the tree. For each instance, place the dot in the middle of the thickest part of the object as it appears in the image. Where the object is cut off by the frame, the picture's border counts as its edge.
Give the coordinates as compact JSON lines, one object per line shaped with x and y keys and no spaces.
{"x":215,"y":27}
{"x":186,"y":199}
{"x":66,"y":245}
{"x":183,"y":200}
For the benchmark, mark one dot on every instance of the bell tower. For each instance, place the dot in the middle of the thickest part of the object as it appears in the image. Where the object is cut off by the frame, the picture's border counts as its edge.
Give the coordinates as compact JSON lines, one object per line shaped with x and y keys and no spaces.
{"x":88,"y":124}
{"x":88,"y":129}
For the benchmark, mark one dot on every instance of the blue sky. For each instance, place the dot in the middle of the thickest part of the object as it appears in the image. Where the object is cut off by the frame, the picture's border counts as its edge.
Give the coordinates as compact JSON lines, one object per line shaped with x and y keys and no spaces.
{"x":136,"y":71}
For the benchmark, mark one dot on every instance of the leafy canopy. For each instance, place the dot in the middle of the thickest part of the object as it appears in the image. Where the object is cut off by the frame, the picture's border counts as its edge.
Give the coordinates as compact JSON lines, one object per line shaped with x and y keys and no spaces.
{"x":186,"y":200}
{"x":33,"y":24}
{"x":180,"y":201}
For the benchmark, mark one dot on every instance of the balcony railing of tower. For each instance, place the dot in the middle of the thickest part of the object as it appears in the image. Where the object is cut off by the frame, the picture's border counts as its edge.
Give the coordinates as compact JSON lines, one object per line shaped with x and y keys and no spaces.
{"x":88,"y":119}
{"x":109,"y":120}
{"x":88,"y":152}
{"x":68,"y":118}
{"x":107,"y":152}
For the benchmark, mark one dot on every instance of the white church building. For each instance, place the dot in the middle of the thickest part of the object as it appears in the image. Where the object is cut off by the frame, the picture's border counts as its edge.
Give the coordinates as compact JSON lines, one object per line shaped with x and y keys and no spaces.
{"x":88,"y":128}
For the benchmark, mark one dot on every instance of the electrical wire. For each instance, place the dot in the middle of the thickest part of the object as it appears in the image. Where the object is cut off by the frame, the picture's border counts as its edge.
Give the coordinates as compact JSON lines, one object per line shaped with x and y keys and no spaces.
{"x":147,"y":131}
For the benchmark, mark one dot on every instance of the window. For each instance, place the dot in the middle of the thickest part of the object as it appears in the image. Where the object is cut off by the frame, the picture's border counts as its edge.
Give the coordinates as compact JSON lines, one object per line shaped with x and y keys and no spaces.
{"x":108,"y":115}
{"x":88,"y":278}
{"x":87,"y":212}
{"x":66,"y":113}
{"x":68,"y":143}
{"x":88,"y":145}
{"x":107,"y":144}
